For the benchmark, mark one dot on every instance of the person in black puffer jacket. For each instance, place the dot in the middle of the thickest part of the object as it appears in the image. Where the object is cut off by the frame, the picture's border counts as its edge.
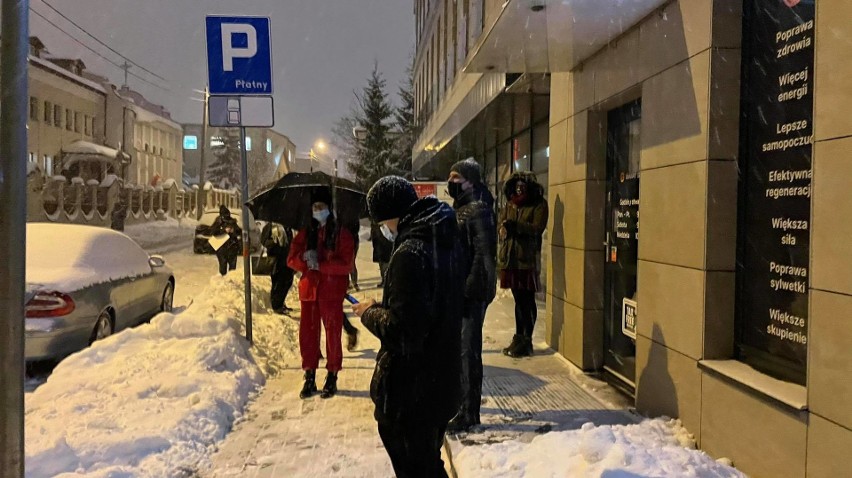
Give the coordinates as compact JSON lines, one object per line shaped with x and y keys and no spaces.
{"x":415,"y":385}
{"x":227,"y":254}
{"x":474,"y":207}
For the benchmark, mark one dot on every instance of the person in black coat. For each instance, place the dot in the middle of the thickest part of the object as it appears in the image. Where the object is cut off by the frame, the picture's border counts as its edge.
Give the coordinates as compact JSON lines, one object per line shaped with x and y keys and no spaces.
{"x":230,"y":250}
{"x":415,"y":385}
{"x":474,"y":207}
{"x":276,"y":239}
{"x":382,"y":249}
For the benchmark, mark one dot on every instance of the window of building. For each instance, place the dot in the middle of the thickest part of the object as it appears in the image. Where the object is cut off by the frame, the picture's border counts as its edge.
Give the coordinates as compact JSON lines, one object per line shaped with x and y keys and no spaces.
{"x":541,"y":148}
{"x":216,"y":142}
{"x":161,"y":151}
{"x":48,"y":112}
{"x":146,"y":147}
{"x":521,"y":152}
{"x":94,"y":126}
{"x":268,"y":145}
{"x":57,"y":116}
{"x":69,"y":120}
{"x":86,"y":125}
{"x":77,"y":117}
{"x":190,"y":142}
{"x":32,"y":157}
{"x":248,"y":143}
{"x":34,"y":108}
{"x":48,"y":165}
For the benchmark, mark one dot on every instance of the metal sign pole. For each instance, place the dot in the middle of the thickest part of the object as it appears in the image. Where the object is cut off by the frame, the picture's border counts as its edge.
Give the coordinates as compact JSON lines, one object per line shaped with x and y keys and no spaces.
{"x":14,"y":98}
{"x":246,"y":239}
{"x":202,"y":168}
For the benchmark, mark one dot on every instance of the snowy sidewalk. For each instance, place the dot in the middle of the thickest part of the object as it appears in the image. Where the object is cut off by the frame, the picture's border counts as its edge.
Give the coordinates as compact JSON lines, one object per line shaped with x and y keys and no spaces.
{"x":284,"y":436}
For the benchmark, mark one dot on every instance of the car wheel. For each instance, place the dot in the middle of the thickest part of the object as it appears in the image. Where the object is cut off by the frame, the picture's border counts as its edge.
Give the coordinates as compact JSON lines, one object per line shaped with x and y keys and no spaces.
{"x":168,"y":298}
{"x":103,"y":327}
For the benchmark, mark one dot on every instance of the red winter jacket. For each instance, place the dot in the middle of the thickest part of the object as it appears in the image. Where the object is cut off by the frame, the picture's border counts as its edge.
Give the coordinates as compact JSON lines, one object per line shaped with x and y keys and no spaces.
{"x":331,"y":281}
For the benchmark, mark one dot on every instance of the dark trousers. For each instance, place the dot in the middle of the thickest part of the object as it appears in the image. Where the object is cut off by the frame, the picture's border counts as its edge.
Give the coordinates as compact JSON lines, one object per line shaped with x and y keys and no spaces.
{"x":282,"y":281}
{"x":414,"y":449}
{"x":383,"y":270}
{"x":471,"y":370}
{"x":526,"y":311}
{"x":227,"y":262}
{"x":347,"y":325}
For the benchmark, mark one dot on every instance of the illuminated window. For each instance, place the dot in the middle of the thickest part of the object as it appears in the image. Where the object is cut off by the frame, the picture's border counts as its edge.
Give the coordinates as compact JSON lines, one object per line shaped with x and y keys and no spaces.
{"x":248,"y":143}
{"x":268,"y":145}
{"x":190,"y":142}
{"x":216,"y":142}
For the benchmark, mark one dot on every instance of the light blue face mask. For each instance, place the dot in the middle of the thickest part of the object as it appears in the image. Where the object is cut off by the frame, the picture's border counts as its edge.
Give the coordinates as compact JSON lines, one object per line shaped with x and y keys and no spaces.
{"x":389,"y":235}
{"x":321,"y":216}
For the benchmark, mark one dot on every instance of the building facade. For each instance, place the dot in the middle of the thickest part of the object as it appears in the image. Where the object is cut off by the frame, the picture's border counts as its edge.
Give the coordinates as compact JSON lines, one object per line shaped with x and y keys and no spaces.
{"x":725,"y":123}
{"x":275,"y":150}
{"x":80,"y":125}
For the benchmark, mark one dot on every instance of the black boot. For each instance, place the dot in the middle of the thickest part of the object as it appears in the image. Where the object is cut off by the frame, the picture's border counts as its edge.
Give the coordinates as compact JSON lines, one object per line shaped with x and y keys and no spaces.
{"x":527,"y":347}
{"x":310,"y":386}
{"x":330,"y":387}
{"x":512,"y":349}
{"x":352,"y":340}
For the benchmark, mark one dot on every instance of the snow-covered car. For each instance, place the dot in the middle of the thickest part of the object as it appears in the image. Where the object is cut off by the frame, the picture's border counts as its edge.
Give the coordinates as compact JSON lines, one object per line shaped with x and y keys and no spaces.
{"x":84,"y":283}
{"x":201,"y":244}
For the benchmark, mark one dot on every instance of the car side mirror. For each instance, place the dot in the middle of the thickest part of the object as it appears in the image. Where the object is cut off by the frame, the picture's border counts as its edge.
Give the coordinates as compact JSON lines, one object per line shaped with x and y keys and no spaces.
{"x":156,"y":261}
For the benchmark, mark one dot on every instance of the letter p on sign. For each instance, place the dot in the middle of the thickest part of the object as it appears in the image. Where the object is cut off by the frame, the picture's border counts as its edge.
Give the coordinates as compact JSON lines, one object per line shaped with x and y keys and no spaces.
{"x":229,"y":51}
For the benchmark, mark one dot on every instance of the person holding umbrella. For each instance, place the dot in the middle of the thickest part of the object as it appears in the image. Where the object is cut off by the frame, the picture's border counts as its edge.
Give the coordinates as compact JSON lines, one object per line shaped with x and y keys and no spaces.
{"x":323,"y":253}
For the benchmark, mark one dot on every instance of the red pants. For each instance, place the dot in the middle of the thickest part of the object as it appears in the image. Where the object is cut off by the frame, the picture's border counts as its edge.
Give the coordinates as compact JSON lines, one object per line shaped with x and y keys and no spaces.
{"x":331,"y":315}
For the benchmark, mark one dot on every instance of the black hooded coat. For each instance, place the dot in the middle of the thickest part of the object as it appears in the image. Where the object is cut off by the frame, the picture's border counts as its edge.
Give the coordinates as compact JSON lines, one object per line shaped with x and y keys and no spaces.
{"x":477,"y":223}
{"x":419,"y":322}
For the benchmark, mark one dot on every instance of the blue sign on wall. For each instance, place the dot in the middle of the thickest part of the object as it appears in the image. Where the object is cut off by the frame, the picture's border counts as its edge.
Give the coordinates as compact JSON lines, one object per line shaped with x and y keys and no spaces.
{"x":239,"y":56}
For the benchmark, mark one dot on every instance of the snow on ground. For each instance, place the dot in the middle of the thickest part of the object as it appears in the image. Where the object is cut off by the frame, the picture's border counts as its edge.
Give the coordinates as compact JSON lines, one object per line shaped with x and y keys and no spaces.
{"x":653,"y":448}
{"x":149,"y":401}
{"x":158,"y":234}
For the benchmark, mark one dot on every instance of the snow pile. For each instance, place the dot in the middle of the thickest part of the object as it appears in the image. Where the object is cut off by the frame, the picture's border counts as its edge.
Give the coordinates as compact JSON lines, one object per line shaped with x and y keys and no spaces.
{"x":161,"y":234}
{"x":651,"y":448}
{"x":88,"y":255}
{"x":276,"y":337}
{"x":148,"y":402}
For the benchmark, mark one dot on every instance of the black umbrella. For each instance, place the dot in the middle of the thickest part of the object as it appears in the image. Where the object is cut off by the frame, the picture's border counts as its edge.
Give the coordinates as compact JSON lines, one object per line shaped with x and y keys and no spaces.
{"x":288,"y":201}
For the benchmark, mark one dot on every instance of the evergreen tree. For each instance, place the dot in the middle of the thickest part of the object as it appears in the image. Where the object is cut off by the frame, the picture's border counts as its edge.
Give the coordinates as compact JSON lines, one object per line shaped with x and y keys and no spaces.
{"x":375,"y":155}
{"x":225,"y":170}
{"x":406,"y":125}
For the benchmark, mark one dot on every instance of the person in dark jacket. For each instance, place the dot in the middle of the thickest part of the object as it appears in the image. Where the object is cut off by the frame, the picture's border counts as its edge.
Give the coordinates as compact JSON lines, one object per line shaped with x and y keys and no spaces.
{"x":474,"y":207}
{"x":323,"y":253}
{"x":229,"y":251}
{"x":382,"y":249}
{"x":276,"y":239}
{"x":521,"y":225}
{"x":415,"y":385}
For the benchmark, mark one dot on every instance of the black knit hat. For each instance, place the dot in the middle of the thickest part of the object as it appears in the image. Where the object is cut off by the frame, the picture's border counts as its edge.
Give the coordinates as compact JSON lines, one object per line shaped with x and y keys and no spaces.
{"x":390,"y":198}
{"x":469,"y":169}
{"x":321,"y":194}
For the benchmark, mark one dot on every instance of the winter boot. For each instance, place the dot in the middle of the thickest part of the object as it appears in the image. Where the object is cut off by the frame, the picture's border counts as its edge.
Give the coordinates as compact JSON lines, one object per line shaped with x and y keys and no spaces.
{"x":460,"y":423}
{"x":527,"y":347}
{"x":310,"y":386}
{"x":512,"y":349}
{"x":330,"y":387}
{"x":352,"y":340}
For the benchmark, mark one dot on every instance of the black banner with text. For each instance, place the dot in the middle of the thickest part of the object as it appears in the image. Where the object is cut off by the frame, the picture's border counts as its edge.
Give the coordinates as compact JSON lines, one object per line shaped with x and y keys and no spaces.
{"x":778,"y":63}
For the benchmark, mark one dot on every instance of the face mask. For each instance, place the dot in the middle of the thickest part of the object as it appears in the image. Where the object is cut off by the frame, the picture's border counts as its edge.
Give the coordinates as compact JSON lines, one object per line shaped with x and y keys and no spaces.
{"x":389,"y":235}
{"x":455,"y":189}
{"x":321,"y":216}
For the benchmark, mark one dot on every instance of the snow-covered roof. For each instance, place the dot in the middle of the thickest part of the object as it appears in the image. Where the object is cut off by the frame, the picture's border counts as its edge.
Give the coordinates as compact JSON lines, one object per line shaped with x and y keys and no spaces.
{"x":67,"y":74}
{"x":88,"y":255}
{"x":146,"y":116}
{"x":85,"y":147}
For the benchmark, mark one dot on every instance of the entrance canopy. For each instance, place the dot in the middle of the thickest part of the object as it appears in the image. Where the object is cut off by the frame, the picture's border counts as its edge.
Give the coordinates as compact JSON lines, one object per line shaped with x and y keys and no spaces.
{"x":90,"y":160}
{"x":541,"y":36}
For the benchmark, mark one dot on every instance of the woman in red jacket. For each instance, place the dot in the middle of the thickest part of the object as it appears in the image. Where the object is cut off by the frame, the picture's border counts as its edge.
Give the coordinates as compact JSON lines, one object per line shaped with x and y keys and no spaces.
{"x":323,"y":253}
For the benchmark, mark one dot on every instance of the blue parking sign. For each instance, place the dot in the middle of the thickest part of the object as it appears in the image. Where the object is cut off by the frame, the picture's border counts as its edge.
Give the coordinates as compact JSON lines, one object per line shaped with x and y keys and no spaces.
{"x":239,"y":56}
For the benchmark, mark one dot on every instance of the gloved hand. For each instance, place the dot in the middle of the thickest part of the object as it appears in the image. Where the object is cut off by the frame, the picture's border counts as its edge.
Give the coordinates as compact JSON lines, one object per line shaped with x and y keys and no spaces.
{"x":312,"y":259}
{"x":510,"y":226}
